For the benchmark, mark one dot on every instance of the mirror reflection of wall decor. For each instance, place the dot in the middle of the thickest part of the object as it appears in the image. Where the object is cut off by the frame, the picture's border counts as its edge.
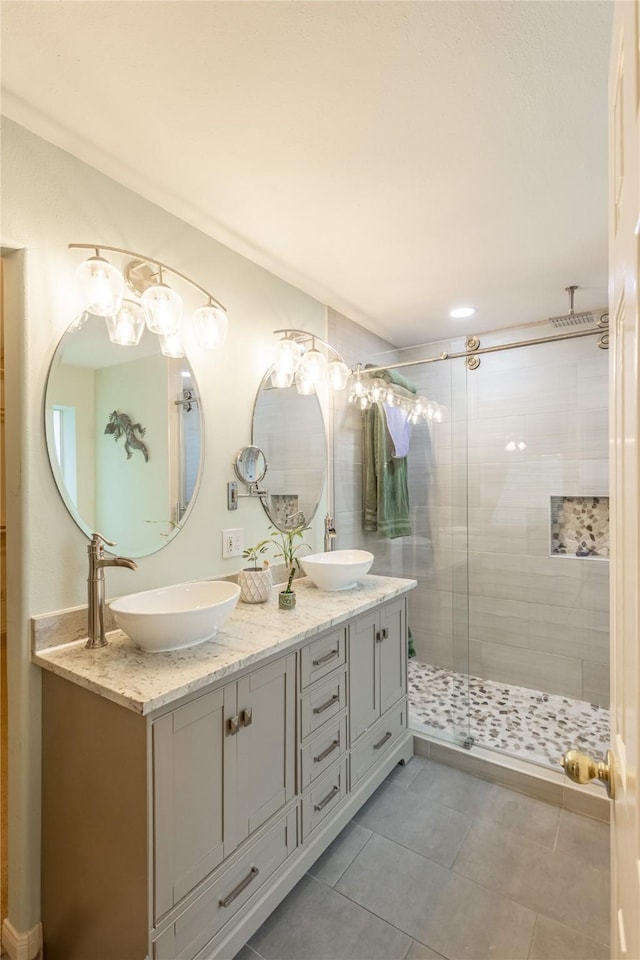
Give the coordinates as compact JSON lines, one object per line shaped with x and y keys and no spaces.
{"x":121,"y":425}
{"x":138,"y":504}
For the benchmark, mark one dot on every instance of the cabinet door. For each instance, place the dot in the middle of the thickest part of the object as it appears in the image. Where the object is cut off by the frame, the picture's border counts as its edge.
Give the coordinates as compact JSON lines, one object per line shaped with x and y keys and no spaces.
{"x":265,"y":744}
{"x":392,"y":651}
{"x":188,"y":828}
{"x":364,"y":690}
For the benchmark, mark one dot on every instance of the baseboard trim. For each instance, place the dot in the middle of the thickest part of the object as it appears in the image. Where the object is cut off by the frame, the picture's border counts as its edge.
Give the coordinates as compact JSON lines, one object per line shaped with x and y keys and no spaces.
{"x":22,"y":946}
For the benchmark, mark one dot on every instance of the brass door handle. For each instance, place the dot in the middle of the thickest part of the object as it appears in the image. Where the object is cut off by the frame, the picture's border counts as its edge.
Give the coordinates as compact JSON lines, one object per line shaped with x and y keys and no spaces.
{"x":581,"y":768}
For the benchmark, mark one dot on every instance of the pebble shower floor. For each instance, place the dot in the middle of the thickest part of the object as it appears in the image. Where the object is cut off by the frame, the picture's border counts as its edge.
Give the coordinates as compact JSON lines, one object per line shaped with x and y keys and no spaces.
{"x":518,"y":721}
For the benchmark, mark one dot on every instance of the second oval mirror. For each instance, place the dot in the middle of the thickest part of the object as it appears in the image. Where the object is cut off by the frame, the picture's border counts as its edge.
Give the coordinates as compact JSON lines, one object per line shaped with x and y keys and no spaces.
{"x":289,"y":428}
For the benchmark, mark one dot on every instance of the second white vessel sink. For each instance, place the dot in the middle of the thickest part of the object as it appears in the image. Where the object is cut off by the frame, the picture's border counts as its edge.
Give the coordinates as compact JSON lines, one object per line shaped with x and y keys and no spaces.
{"x":338,"y":569}
{"x":171,"y":618}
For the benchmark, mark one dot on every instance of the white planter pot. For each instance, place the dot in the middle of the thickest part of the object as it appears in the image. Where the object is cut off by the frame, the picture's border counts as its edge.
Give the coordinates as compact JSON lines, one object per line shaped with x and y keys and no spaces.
{"x":255,"y":585}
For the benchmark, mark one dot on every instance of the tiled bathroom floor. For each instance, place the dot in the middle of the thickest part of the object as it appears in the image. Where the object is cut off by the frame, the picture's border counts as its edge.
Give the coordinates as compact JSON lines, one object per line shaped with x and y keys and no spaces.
{"x":515,"y":720}
{"x":440,"y":864}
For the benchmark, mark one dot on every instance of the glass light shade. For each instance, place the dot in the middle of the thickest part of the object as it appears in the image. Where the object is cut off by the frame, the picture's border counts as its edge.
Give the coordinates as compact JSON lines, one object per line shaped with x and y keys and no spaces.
{"x":364,"y":402}
{"x":313,"y":366}
{"x":356,"y":385}
{"x":304,"y":385}
{"x":280,"y":379}
{"x":101,"y":285}
{"x":338,"y":373}
{"x":127,"y":325}
{"x":210,"y":324}
{"x":287,"y":357}
{"x":163,"y":308}
{"x":171,"y":345}
{"x":377,"y":389}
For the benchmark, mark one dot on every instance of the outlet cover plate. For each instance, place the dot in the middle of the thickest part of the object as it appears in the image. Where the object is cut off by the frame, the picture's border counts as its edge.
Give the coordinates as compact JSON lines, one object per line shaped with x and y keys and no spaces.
{"x":232,"y":543}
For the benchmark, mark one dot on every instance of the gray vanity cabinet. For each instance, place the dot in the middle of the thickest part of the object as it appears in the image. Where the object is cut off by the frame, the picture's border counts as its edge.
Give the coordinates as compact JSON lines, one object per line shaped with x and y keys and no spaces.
{"x":377,"y":665}
{"x":222,"y":765}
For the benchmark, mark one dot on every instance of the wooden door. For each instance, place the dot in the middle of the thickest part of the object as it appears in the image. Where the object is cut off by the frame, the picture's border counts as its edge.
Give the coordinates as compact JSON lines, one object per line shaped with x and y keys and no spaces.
{"x":364,"y":687}
{"x":624,"y":214}
{"x":392,"y":650}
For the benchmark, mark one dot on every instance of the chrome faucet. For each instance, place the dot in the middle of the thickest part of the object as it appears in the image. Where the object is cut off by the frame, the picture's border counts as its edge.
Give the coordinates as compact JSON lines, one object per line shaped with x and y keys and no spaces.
{"x":329,"y":533}
{"x":95,"y":584}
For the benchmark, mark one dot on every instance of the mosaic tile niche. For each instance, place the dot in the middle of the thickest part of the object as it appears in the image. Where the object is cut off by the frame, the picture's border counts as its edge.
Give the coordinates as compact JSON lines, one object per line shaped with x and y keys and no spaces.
{"x":580,"y":526}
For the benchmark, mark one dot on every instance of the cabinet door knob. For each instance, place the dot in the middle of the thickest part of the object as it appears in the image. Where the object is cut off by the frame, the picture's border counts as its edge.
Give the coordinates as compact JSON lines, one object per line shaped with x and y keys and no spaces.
{"x":246,"y":717}
{"x":378,"y":636}
{"x":233,"y":725}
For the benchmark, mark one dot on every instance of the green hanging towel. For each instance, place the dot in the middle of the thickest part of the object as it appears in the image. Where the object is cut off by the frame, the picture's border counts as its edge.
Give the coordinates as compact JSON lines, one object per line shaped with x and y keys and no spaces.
{"x":385,"y":480}
{"x":411,"y":647}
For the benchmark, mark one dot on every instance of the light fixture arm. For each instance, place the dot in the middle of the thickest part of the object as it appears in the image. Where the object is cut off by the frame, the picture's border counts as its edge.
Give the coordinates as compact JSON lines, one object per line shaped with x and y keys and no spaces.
{"x":145,"y":259}
{"x":303,"y":336}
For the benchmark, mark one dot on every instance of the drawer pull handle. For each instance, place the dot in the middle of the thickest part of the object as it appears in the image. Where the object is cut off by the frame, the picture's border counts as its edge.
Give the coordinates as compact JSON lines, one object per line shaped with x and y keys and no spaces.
{"x":246,"y":717}
{"x":230,"y":897}
{"x":325,"y":706}
{"x":327,"y":657}
{"x":325,"y":753}
{"x":382,"y":742}
{"x":233,"y":725}
{"x":329,"y":797}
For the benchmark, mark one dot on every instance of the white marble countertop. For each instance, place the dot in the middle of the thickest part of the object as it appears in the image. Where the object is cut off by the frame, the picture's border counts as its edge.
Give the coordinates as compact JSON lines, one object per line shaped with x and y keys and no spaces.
{"x":142,"y":682}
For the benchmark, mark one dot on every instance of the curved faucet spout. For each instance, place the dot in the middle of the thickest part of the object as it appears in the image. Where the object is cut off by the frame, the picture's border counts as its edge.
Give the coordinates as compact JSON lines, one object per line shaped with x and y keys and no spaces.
{"x":95,"y":587}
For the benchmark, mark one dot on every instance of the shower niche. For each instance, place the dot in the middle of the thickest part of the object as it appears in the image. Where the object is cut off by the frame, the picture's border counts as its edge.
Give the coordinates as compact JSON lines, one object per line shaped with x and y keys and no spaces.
{"x":580,"y":527}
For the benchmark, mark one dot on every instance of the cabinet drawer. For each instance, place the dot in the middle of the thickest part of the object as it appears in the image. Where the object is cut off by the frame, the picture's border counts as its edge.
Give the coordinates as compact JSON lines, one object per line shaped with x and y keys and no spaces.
{"x":322,"y":656}
{"x":322,"y":702}
{"x":377,"y":741}
{"x":203,"y":919}
{"x":321,"y":751}
{"x":323,"y":798}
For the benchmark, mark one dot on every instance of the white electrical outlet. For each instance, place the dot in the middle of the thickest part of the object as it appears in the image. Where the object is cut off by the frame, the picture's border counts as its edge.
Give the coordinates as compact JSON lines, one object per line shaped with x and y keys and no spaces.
{"x":232,"y":543}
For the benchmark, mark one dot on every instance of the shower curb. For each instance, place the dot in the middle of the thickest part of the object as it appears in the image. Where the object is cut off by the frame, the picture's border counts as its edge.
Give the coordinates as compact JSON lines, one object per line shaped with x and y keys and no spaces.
{"x":520,"y":775}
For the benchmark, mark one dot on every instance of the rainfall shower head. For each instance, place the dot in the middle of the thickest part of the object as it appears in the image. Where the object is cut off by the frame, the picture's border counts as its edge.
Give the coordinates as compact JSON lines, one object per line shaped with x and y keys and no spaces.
{"x":572,"y":319}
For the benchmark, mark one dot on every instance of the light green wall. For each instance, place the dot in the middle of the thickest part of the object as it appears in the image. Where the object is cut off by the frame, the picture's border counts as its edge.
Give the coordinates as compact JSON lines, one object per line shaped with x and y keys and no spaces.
{"x":49,"y":200}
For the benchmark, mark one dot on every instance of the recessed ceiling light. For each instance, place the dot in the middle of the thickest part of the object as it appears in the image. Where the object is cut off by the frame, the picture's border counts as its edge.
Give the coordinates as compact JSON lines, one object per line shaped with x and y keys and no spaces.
{"x":459,"y":313}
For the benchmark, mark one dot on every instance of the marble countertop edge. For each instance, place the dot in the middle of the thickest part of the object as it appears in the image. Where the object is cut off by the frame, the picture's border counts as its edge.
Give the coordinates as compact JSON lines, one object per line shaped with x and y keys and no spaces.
{"x":144,"y":682}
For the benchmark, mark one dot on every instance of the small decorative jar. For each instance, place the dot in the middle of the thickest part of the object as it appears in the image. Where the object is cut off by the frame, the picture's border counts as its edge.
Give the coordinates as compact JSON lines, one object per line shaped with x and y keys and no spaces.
{"x":286,"y":599}
{"x":255,"y":584}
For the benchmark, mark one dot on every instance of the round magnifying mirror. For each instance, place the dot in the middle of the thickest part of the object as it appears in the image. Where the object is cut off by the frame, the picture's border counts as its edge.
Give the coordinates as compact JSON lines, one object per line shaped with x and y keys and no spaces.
{"x":250,"y":465}
{"x":124,"y":436}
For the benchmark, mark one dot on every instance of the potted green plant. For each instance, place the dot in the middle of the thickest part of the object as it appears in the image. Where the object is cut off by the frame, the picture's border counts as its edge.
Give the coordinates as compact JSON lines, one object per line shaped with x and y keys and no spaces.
{"x":256,"y":581}
{"x":286,"y":547}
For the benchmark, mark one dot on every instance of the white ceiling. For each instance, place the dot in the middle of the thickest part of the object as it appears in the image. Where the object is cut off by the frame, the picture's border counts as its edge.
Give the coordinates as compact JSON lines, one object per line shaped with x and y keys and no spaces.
{"x":393,"y":159}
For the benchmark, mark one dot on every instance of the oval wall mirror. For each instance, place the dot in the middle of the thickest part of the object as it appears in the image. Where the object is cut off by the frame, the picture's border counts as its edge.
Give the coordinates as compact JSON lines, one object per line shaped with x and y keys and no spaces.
{"x":124,"y":436}
{"x":289,"y":428}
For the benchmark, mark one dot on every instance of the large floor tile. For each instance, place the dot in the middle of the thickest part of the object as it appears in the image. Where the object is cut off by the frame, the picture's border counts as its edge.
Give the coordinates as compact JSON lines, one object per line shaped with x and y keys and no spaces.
{"x":316,"y":923}
{"x":403,"y":775}
{"x":418,"y":951}
{"x":582,"y":838}
{"x":413,"y":820}
{"x":443,"y":910}
{"x":532,"y":818}
{"x":555,"y":941}
{"x":245,"y":954}
{"x":536,"y":877}
{"x":336,"y":858}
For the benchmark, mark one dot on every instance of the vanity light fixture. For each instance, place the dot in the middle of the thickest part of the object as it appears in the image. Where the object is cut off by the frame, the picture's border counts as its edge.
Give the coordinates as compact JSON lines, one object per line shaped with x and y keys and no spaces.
{"x":102,"y":286}
{"x":299,"y":359}
{"x":366,"y":389}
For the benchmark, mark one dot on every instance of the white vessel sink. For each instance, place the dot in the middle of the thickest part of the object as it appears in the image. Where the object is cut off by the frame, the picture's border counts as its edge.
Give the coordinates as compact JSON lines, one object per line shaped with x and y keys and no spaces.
{"x":171,"y":618}
{"x":337,"y":570}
